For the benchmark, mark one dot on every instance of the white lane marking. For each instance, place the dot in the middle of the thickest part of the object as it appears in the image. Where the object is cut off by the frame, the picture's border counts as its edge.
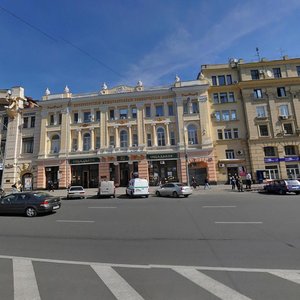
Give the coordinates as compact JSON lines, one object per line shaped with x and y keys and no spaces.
{"x":202,"y":268}
{"x":25,"y":285}
{"x":211,"y":285}
{"x":238,"y":222}
{"x":291,"y":276}
{"x":102,"y":207}
{"x":74,"y":221}
{"x":219,"y":206}
{"x":116,"y":284}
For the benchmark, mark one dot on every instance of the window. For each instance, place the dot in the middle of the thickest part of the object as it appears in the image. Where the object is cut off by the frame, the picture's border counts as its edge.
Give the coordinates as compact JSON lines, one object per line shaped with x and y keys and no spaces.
{"x":260,"y":112}
{"x":98,"y":142}
{"x":288,"y":128}
{"x":229,"y":154}
{"x":134,"y":140}
{"x":195,"y":108}
{"x":281,"y":92}
{"x":111,"y":114}
{"x":233,"y":114}
{"x":172,"y":138}
{"x":218,"y":116}
{"x":159,"y":111}
{"x":161,"y":137}
{"x":27,"y":145}
{"x":25,"y":122}
{"x":223,"y":98}
{"x":231,"y":97}
{"x":254,"y":74}
{"x":214,"y":80}
{"x":74,"y":144}
{"x":59,"y":119}
{"x":149,"y":140}
{"x":277,"y":72}
{"x":227,"y":134}
{"x":2,"y":147}
{"x":51,"y":119}
{"x":123,"y":139}
{"x":171,"y":109}
{"x":148,"y":111}
{"x":289,"y":150}
{"x":75,"y":116}
{"x":235,"y":133}
{"x":111,"y":140}
{"x":229,"y":79}
{"x":55,"y":144}
{"x":98,"y":115}
{"x":87,"y":117}
{"x":225,"y":115}
{"x":216,"y":97}
{"x":270,"y":151}
{"x":220,"y":134}
{"x":192,"y":134}
{"x":298,"y":71}
{"x":5,"y":123}
{"x":123,"y":113}
{"x":263,"y":130}
{"x":86,"y":142}
{"x":32,"y":122}
{"x":272,"y":172}
{"x":257,"y":93}
{"x":292,"y":171}
{"x":284,"y":110}
{"x":221,"y":79}
{"x":134,"y":112}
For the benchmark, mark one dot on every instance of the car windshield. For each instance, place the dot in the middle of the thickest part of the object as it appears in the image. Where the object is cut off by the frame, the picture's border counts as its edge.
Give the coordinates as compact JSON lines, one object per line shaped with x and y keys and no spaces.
{"x":41,"y":195}
{"x":293,"y":182}
{"x":179,"y":184}
{"x":76,"y":188}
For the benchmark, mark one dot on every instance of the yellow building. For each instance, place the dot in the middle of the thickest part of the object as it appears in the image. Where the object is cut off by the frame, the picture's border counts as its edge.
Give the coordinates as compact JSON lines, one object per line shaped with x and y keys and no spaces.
{"x":115,"y":132}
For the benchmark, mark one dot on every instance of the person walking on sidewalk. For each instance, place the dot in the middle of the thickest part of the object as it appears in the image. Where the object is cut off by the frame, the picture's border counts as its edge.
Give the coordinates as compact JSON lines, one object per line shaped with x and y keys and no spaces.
{"x":206,"y":183}
{"x":194,"y":183}
{"x":248,"y":181}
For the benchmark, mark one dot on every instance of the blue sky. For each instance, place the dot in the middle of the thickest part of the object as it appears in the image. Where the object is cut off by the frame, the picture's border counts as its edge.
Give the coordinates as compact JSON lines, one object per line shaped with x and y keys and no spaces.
{"x":85,"y":43}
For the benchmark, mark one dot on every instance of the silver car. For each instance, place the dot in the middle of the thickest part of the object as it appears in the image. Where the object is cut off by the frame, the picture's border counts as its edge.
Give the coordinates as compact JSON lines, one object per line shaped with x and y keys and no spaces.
{"x":76,"y":192}
{"x":174,"y":189}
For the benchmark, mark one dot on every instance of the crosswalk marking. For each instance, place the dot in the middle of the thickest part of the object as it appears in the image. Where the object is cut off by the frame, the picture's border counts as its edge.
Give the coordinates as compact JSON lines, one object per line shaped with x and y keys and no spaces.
{"x":291,"y":276}
{"x":214,"y":287}
{"x":25,"y":285}
{"x":116,"y":284}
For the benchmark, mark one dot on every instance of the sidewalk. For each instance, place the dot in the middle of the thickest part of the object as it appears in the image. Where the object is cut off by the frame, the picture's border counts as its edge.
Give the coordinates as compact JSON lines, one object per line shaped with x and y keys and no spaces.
{"x":121,"y":190}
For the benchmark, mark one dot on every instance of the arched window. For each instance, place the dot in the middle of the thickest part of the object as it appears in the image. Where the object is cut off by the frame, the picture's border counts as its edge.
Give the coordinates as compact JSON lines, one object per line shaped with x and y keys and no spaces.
{"x":55,"y":144}
{"x":161,"y":140}
{"x":123,"y":139}
{"x":192,"y":134}
{"x":86,"y":142}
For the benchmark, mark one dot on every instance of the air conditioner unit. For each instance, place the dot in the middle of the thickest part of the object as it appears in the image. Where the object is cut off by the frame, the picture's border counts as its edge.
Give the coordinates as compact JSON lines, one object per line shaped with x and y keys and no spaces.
{"x":284,"y":117}
{"x":240,"y":152}
{"x":221,"y":165}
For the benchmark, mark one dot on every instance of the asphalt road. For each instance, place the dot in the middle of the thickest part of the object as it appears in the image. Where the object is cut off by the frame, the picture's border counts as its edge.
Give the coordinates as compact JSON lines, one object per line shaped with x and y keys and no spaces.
{"x":212,"y":245}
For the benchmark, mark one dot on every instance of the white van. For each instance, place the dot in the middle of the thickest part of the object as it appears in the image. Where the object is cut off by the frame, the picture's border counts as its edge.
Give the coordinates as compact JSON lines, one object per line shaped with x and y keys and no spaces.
{"x":138,"y":187}
{"x":106,"y":189}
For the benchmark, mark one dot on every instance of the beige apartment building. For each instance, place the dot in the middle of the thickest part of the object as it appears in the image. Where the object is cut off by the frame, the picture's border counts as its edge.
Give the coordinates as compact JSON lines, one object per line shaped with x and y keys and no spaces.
{"x":255,"y":111}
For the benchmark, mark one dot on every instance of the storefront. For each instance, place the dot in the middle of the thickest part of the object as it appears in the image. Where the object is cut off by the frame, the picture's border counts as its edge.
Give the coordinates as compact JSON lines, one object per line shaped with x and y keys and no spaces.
{"x":85,"y":172}
{"x":52,"y":175}
{"x":162,"y":168}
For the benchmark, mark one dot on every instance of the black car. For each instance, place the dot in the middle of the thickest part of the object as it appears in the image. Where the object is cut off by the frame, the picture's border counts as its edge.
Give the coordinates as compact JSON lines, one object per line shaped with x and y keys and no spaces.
{"x":283,"y":186}
{"x":29,"y":203}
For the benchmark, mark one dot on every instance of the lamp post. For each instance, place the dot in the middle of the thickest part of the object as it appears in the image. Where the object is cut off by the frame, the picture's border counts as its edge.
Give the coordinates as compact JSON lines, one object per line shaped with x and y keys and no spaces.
{"x":186,"y":156}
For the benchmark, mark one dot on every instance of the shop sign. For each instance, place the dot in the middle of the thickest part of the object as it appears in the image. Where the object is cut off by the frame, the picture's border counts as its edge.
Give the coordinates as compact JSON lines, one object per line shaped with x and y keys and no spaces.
{"x":81,"y":161}
{"x":123,"y":158}
{"x":277,"y":159}
{"x":162,"y":156}
{"x":292,"y":158}
{"x":271,"y":160}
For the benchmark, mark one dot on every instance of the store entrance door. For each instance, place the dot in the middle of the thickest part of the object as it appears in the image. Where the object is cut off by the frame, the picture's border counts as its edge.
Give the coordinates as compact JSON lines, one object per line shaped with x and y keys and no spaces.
{"x":86,"y":179}
{"x":124,"y":174}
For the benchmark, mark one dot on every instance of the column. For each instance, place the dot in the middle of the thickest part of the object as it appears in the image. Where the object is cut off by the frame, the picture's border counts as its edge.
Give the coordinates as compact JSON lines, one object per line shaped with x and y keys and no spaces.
{"x":92,"y":132}
{"x":117,"y":139}
{"x":103,"y":128}
{"x":167,"y":134}
{"x":154,"y":137}
{"x":79,"y":140}
{"x":140,"y":125}
{"x":129,"y":136}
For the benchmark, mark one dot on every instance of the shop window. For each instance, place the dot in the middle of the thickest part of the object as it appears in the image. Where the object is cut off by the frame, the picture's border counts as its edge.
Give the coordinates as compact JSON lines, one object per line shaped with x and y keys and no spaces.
{"x":55,"y":144}
{"x":161,"y":141}
{"x":192,"y":134}
{"x":271,"y":172}
{"x":270,"y":151}
{"x":27,"y":145}
{"x":290,"y":150}
{"x":292,"y":171}
{"x":123,"y":139}
{"x":229,"y":154}
{"x":86,"y":142}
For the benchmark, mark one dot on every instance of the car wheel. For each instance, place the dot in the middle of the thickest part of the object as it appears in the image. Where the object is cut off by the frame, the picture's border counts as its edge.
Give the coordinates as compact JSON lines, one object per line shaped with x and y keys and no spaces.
{"x":175,"y":194}
{"x":282,"y":192}
{"x":146,"y":196}
{"x":131,"y":194}
{"x":297,"y":193}
{"x":30,"y":212}
{"x":157,"y":193}
{"x":186,"y":196}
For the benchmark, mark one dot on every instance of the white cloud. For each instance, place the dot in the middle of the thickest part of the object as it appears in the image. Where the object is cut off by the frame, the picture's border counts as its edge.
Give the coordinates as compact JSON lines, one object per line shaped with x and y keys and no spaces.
{"x":187,"y":47}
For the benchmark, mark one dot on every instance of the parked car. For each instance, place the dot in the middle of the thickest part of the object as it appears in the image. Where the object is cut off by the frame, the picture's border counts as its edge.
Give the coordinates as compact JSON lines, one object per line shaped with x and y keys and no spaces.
{"x":106,"y":189}
{"x":76,"y":191}
{"x":283,"y":186}
{"x":138,"y":187}
{"x":174,"y":189}
{"x":29,"y":203}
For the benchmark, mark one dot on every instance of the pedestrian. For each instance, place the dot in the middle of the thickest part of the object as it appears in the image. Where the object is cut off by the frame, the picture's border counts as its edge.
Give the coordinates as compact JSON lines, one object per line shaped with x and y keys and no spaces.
{"x":194,"y":183}
{"x":50,"y":186}
{"x":14,"y":189}
{"x":240,"y":184}
{"x":233,"y":182}
{"x":248,"y":181}
{"x":206,"y":183}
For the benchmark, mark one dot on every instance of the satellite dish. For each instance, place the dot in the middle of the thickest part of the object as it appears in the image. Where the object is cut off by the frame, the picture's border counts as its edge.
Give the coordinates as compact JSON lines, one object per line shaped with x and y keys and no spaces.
{"x":269,"y":73}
